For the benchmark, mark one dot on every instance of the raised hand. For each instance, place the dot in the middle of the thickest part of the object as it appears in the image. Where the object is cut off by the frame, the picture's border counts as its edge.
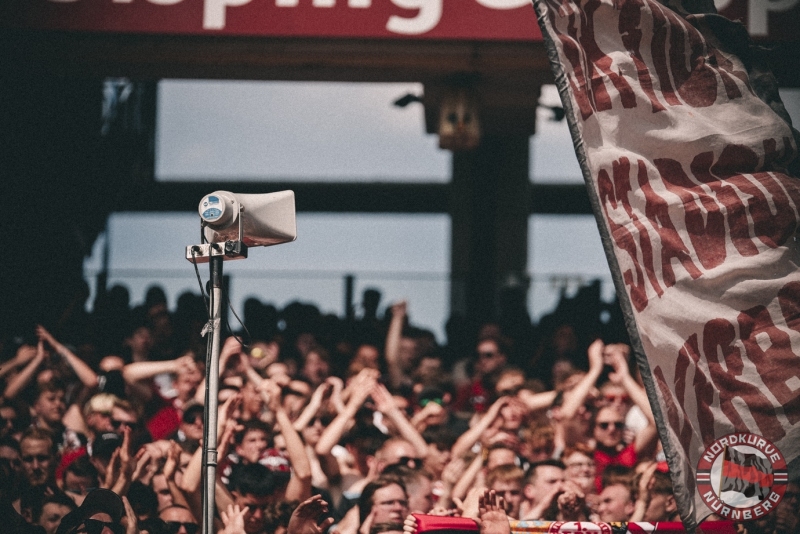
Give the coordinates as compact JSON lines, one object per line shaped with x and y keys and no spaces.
{"x":130,"y":520}
{"x":383,"y":399}
{"x":271,"y":393}
{"x":173,"y":459}
{"x":361,"y":386}
{"x":571,"y":502}
{"x":25,"y":354}
{"x":307,"y":518}
{"x":112,"y":471}
{"x":399,"y":308}
{"x":143,"y":460}
{"x":492,"y":514}
{"x":616,"y":355}
{"x":230,"y":348}
{"x":470,"y":506}
{"x":185,"y":365}
{"x":452,"y":471}
{"x":337,"y":385}
{"x":44,"y":335}
{"x":595,"y":355}
{"x":233,"y":519}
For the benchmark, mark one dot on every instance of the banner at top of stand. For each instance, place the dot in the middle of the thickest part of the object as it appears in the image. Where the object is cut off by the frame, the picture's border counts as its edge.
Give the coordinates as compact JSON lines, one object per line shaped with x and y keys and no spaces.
{"x":481,"y":20}
{"x":507,"y":20}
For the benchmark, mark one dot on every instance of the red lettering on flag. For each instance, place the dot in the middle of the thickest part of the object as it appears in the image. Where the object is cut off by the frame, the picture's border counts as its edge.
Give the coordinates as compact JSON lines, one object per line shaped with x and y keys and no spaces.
{"x":704,"y":220}
{"x":775,"y":363}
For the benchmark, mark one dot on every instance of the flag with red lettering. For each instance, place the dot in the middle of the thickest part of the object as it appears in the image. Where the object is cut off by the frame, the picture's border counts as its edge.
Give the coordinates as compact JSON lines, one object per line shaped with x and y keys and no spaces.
{"x":686,"y":168}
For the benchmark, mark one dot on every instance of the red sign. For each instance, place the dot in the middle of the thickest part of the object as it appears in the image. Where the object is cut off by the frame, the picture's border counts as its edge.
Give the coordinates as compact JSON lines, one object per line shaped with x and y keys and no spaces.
{"x":490,"y":20}
{"x":511,"y":20}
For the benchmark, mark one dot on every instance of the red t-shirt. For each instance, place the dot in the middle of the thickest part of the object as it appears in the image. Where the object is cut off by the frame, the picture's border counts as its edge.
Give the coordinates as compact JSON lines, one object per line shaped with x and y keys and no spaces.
{"x":626,"y":457}
{"x":472,"y":397}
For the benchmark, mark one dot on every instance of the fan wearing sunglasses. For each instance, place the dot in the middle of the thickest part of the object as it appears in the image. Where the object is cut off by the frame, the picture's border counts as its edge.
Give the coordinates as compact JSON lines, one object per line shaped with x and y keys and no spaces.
{"x":611,"y":449}
{"x":179,"y":520}
{"x":609,"y":426}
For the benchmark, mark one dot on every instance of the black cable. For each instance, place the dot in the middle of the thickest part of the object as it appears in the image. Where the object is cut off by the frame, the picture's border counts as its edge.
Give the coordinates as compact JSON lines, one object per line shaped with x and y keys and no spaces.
{"x":249,"y":337}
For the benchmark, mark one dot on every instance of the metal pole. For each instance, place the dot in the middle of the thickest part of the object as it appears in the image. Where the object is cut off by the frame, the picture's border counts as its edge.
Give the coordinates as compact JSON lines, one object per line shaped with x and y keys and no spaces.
{"x":212,"y":389}
{"x":349,"y":309}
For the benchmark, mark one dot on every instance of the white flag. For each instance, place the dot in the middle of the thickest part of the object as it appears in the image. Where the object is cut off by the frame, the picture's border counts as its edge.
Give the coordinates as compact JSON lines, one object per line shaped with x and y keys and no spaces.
{"x":686,"y":169}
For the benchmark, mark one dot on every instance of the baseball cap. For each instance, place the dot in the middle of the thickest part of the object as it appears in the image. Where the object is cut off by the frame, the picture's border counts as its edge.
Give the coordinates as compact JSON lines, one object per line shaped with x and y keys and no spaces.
{"x":97,"y":501}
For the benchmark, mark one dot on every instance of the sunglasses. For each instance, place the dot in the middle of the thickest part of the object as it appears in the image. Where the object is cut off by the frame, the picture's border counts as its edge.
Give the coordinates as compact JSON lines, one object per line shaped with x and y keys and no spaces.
{"x":324,"y":421}
{"x":616,"y":398}
{"x":425,"y":402}
{"x":617,"y":425}
{"x":95,"y":526}
{"x":116,"y":424}
{"x":174,"y":526}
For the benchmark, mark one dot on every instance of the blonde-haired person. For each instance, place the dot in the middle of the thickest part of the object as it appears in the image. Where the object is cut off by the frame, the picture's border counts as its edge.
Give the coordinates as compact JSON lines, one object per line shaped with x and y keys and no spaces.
{"x":96,"y":416}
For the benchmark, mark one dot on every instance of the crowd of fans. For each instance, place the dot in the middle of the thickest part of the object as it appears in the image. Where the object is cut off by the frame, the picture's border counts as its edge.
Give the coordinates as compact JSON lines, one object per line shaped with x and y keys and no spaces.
{"x":325,"y":424}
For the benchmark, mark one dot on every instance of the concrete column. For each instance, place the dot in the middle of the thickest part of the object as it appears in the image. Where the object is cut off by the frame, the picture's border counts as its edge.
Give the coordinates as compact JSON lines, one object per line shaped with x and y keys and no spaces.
{"x":489,"y":216}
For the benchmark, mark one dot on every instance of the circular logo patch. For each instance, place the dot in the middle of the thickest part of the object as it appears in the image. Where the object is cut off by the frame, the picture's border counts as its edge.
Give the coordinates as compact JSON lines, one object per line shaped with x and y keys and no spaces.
{"x":741,"y":476}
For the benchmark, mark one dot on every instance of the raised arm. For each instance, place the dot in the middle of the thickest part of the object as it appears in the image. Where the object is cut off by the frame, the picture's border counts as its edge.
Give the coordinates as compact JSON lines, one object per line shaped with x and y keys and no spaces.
{"x":310,"y":517}
{"x":467,"y":479}
{"x":386,"y":405}
{"x":23,"y":356}
{"x":170,"y":466}
{"x":537,"y":401}
{"x":313,"y":406}
{"x":362,"y":385}
{"x":21,"y":379}
{"x":471,"y":436}
{"x":643,"y":494}
{"x":617,"y":357}
{"x":575,"y":398}
{"x":193,"y":473}
{"x":85,"y":374}
{"x":230,"y":348}
{"x":299,"y":487}
{"x":392,"y":349}
{"x":136,"y":371}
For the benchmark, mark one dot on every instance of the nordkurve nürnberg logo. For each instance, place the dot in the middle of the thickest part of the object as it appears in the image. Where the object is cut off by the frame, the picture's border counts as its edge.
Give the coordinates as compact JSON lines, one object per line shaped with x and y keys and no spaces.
{"x":741,"y":476}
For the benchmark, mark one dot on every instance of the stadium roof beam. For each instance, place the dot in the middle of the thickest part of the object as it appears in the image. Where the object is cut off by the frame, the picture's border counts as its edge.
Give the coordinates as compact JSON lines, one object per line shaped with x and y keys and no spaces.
{"x":347,"y":197}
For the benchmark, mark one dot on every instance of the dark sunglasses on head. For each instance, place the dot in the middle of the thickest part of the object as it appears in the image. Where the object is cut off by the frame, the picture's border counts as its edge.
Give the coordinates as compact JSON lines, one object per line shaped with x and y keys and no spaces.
{"x":95,"y":526}
{"x":605,"y":424}
{"x":174,"y":526}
